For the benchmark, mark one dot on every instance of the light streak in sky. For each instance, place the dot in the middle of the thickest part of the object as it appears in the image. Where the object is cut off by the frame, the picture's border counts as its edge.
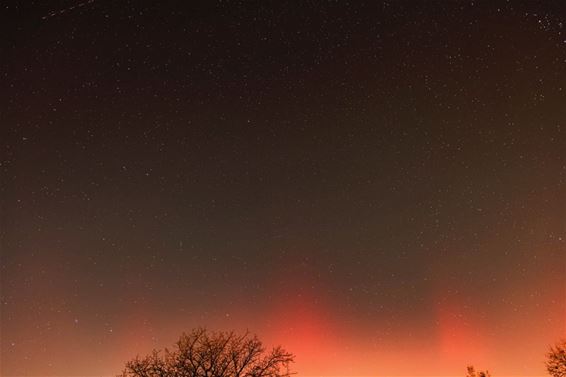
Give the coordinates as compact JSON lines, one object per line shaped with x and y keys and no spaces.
{"x":65,"y":10}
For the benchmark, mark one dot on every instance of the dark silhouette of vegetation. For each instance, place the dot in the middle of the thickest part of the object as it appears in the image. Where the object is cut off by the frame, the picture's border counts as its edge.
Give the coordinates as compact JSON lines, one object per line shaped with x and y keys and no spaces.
{"x":226,"y":354}
{"x":213,"y":354}
{"x":472,"y":373}
{"x":556,"y":359}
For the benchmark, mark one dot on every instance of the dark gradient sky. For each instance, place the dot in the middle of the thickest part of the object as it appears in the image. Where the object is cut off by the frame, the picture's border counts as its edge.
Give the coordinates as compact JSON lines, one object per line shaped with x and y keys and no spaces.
{"x":379,"y":187}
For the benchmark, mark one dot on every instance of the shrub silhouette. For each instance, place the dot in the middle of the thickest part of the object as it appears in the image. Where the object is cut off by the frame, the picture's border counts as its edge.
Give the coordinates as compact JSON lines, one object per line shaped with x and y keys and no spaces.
{"x":213,"y":354}
{"x":556,"y":359}
{"x":472,"y":373}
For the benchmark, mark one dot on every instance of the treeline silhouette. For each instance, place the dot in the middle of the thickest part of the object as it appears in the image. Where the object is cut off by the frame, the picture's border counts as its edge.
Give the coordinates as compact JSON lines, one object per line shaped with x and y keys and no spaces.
{"x":555,"y":362}
{"x":202,"y":353}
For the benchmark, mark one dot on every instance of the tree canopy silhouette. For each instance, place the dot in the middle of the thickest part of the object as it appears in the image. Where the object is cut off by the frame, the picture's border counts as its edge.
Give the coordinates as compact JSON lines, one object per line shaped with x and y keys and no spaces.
{"x":556,"y":359}
{"x":213,"y":354}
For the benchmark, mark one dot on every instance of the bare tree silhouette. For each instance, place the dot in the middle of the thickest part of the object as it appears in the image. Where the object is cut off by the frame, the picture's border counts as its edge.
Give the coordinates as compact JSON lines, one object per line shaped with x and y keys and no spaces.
{"x":556,"y":359}
{"x":213,"y":354}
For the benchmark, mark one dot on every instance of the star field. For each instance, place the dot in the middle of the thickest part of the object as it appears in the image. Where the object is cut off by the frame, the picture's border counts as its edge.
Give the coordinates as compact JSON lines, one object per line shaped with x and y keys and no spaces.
{"x":377,"y":186}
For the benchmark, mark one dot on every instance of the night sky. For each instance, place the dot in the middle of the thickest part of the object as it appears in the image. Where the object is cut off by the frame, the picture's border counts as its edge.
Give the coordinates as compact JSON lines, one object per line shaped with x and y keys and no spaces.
{"x":380,"y":187}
